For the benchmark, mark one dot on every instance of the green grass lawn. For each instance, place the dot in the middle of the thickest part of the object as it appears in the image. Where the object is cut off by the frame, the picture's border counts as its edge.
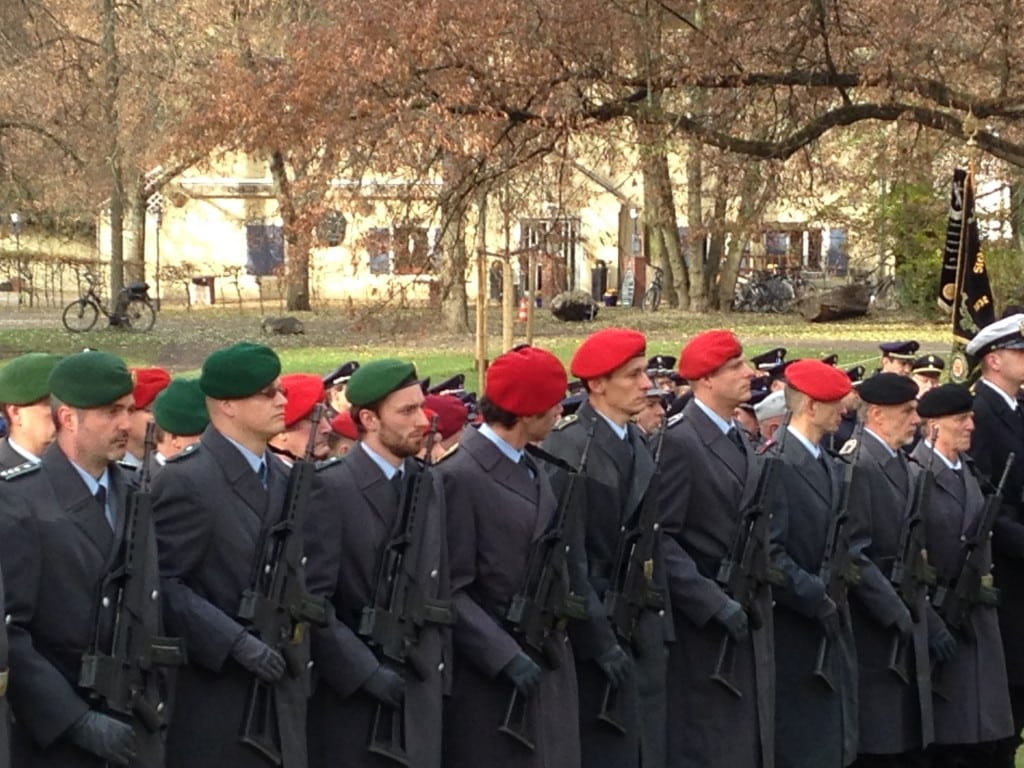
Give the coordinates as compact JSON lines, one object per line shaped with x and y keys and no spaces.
{"x":181,"y":339}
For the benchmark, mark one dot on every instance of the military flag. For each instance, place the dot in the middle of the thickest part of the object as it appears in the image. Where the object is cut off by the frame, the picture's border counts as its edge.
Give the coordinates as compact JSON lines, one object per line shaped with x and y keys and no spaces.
{"x":964,"y":288}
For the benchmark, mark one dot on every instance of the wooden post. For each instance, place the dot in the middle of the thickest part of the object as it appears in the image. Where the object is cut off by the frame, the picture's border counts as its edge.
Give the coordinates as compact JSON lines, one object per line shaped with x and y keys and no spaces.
{"x":481,"y":292}
{"x":531,"y":291}
{"x":508,"y":291}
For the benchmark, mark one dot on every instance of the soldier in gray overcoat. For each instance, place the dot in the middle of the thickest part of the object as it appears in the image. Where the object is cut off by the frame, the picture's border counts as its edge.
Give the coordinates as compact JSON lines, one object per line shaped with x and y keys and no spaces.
{"x":618,"y":472}
{"x":710,"y":474}
{"x":213,"y":505}
{"x":895,"y":711}
{"x":62,"y":524}
{"x":354,"y":516}
{"x":500,"y":506}
{"x":973,"y":713}
{"x":816,"y":721}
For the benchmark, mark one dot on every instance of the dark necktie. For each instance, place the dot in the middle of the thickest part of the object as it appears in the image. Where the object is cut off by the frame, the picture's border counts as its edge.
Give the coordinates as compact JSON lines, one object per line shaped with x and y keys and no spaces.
{"x":262,"y":473}
{"x":101,"y":499}
{"x":396,"y":483}
{"x":527,"y":462}
{"x":734,"y":435}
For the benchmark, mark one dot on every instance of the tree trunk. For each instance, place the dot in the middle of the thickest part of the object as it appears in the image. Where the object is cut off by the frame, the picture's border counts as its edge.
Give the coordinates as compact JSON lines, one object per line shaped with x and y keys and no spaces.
{"x":716,"y":246}
{"x":111,"y":119}
{"x":697,"y":300}
{"x":660,"y":223}
{"x":451,"y":277}
{"x":135,"y":236}
{"x":296,"y":248}
{"x":746,"y":217}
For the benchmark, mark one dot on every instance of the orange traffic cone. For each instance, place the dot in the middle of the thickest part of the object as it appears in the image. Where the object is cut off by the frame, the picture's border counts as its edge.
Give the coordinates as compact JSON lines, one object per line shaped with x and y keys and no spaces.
{"x":522,"y":310}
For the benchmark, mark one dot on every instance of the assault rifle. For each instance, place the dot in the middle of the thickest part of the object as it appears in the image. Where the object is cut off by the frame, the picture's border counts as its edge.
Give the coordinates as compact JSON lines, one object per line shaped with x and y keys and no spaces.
{"x":400,"y":608}
{"x":633,"y":591}
{"x":546,"y":602}
{"x":277,"y":608}
{"x":837,"y":567}
{"x":911,"y":575}
{"x":123,"y":676}
{"x":747,"y":568}
{"x":971,"y":586}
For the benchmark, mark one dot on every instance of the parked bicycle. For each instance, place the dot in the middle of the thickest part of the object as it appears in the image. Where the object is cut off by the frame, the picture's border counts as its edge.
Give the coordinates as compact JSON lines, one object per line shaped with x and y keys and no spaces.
{"x":132,"y":311}
{"x":652,"y":298}
{"x":764,"y":292}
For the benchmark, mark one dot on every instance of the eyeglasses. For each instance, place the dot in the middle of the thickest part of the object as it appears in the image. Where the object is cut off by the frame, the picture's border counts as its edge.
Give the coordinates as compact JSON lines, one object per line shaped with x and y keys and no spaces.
{"x":271,"y":391}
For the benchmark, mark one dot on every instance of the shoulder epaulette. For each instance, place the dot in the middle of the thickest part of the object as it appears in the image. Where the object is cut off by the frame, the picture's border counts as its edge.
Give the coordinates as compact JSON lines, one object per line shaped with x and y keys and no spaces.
{"x":127,"y":467}
{"x":447,"y":454}
{"x":766,"y":446}
{"x":565,"y":421}
{"x":673,"y":420}
{"x":321,"y":465}
{"x":20,"y":470}
{"x":189,"y":450}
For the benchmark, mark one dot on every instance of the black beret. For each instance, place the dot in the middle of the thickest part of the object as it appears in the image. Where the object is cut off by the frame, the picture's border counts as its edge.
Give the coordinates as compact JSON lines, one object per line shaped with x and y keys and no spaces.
{"x":661,"y":363}
{"x":887,"y":389}
{"x":456,"y":382}
{"x":900,"y":350}
{"x":945,"y":400}
{"x":832,"y":359}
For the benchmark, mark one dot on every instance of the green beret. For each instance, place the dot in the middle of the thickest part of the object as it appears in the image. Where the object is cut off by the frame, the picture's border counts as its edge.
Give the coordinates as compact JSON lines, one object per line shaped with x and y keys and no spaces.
{"x":90,"y":379}
{"x":239,"y":371}
{"x":378,"y":379}
{"x":26,"y":379}
{"x":180,"y":408}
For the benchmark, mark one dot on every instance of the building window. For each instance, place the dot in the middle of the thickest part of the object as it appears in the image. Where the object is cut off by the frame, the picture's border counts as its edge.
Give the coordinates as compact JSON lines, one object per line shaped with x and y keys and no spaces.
{"x":401,"y":250}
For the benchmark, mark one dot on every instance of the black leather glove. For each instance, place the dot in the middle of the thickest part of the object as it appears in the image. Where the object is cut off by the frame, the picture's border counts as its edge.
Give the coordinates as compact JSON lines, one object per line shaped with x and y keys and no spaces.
{"x":258,"y":657}
{"x":107,"y":738}
{"x":828,"y":615}
{"x":734,"y":619}
{"x":904,"y":624}
{"x":386,"y":686}
{"x":942,"y":645}
{"x":524,"y":674}
{"x":616,"y":665}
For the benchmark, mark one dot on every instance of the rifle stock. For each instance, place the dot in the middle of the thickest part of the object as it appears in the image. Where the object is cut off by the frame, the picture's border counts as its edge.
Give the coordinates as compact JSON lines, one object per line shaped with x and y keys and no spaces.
{"x":545,"y":603}
{"x":277,"y":608}
{"x":746,"y":569}
{"x":955,"y":603}
{"x":632,"y":588}
{"x":400,"y":609}
{"x":837,"y":568}
{"x":121,"y":677}
{"x":911,"y":574}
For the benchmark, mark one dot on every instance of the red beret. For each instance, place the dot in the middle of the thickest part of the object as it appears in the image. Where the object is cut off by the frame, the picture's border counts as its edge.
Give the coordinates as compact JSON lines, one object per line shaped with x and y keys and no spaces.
{"x":149,"y":382}
{"x":452,"y":413}
{"x":526,"y":381}
{"x":344,"y":426}
{"x":819,"y":381}
{"x":304,"y":391}
{"x":604,"y":351}
{"x":707,"y":352}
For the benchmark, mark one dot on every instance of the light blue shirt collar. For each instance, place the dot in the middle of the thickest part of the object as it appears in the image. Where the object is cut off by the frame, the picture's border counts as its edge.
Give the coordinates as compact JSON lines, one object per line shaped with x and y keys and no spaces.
{"x":954,"y":466}
{"x":252,"y":458}
{"x":892,"y":453}
{"x":815,"y":450}
{"x":717,"y":420}
{"x":386,"y":466}
{"x":513,"y":454}
{"x":94,"y":485}
{"x":620,"y":431}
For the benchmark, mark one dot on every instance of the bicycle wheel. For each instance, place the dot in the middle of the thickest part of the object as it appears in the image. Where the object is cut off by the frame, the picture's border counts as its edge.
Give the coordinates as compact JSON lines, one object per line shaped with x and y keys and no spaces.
{"x":652,"y":299}
{"x":80,"y":315}
{"x":138,"y":315}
